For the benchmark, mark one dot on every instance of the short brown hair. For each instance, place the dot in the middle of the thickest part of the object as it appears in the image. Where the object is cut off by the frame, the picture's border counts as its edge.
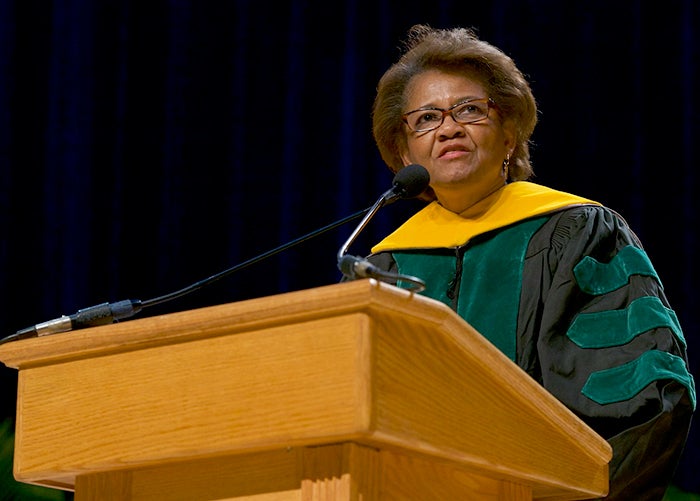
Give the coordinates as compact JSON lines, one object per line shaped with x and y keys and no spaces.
{"x":456,"y":50}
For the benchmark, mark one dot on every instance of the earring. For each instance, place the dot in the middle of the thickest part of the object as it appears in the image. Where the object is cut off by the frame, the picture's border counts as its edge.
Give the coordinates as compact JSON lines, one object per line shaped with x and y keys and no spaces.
{"x":506,"y":164}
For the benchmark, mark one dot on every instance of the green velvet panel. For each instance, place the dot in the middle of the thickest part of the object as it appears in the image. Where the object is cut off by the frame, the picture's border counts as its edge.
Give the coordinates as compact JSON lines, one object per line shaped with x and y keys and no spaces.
{"x":492,"y":273}
{"x":490,"y":282}
{"x":625,"y":381}
{"x":435,"y":268}
{"x":618,"y":327}
{"x":594,"y":277}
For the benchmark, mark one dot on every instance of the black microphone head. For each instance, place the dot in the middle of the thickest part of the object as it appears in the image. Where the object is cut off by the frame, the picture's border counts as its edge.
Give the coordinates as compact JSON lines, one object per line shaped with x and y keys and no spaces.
{"x":411,"y":181}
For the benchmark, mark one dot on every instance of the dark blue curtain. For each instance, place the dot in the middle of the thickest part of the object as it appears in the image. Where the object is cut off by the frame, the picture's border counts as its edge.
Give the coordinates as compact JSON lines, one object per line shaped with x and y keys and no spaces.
{"x":146,"y":145}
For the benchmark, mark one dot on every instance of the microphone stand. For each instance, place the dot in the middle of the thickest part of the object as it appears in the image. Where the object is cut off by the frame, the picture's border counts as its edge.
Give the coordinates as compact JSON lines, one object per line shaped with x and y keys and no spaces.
{"x":107,"y":313}
{"x":408,"y":182}
{"x":385,"y":199}
{"x":244,"y":264}
{"x":354,"y":267}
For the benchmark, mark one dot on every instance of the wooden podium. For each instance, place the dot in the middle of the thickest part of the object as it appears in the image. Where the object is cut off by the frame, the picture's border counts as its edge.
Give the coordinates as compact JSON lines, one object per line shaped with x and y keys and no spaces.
{"x":354,"y":391}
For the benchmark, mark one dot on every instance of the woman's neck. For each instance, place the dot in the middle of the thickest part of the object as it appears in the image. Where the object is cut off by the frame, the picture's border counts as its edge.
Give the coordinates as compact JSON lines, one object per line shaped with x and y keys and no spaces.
{"x":466,"y":206}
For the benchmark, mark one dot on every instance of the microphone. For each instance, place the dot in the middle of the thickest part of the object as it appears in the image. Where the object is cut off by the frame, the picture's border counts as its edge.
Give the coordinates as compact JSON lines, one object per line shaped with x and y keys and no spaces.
{"x":107,"y":313}
{"x":409,"y":182}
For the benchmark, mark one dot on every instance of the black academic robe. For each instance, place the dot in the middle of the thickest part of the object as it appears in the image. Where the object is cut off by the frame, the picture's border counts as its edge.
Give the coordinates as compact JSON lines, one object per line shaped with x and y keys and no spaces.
{"x":569,"y":294}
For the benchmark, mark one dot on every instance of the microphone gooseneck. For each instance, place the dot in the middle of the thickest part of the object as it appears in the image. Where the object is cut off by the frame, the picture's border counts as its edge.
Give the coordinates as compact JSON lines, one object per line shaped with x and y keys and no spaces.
{"x":409,"y":182}
{"x":107,"y":313}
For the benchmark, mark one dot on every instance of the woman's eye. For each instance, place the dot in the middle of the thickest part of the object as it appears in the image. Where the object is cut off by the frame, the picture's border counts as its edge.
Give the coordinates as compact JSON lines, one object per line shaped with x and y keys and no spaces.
{"x":468,"y":109}
{"x":428,"y":117}
{"x":471,"y":111}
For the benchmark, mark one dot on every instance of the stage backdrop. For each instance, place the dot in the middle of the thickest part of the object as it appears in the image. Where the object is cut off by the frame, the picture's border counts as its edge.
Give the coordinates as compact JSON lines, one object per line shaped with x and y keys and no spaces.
{"x":146,"y":145}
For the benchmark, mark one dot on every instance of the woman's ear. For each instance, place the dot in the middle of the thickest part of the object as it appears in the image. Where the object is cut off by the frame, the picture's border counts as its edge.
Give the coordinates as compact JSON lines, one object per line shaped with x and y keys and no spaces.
{"x":510,"y":135}
{"x":405,"y":158}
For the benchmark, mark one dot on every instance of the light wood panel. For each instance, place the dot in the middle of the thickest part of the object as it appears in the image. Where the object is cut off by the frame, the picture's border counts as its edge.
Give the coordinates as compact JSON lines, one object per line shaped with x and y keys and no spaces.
{"x":394,"y":389}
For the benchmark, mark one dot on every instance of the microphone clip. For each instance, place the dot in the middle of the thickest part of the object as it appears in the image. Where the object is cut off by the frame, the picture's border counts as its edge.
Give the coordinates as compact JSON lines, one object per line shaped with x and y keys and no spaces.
{"x":354,"y":267}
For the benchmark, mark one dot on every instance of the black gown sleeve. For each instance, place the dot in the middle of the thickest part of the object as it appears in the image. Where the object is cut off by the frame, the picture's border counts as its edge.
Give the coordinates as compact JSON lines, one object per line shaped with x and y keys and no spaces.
{"x":596,"y":330}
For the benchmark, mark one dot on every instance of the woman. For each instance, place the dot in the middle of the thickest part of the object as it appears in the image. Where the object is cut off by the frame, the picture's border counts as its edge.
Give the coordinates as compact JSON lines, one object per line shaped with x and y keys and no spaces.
{"x":559,"y":283}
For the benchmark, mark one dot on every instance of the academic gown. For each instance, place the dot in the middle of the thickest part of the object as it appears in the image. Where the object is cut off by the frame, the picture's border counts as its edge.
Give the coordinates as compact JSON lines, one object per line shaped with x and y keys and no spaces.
{"x":564,"y":288}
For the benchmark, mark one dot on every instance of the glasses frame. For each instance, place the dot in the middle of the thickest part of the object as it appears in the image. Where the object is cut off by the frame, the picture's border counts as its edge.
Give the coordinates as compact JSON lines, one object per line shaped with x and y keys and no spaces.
{"x":490,"y":103}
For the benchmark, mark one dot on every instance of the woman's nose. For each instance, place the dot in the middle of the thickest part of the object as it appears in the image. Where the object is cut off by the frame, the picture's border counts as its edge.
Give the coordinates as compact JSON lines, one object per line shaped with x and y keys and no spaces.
{"x":450,"y":127}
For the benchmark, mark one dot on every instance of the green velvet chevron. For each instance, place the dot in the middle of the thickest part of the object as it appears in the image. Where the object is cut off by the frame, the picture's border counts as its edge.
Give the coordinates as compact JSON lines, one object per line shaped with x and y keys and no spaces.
{"x":625,"y":381}
{"x":617,"y":327}
{"x":594,"y":277}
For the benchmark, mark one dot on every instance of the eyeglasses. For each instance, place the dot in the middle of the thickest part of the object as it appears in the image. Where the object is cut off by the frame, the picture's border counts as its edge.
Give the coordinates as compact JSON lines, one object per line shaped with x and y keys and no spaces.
{"x":466,"y":112}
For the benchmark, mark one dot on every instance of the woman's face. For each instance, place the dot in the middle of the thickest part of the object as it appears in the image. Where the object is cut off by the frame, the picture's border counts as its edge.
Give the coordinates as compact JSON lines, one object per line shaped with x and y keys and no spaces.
{"x":465,"y":161}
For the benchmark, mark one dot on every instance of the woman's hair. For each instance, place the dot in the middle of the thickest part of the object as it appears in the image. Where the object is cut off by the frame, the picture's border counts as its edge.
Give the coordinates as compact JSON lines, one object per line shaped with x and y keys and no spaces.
{"x":460,"y":51}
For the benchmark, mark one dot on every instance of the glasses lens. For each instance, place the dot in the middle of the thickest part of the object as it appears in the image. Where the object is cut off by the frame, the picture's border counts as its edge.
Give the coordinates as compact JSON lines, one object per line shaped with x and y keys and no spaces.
{"x":472,"y":111}
{"x":423,"y":120}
